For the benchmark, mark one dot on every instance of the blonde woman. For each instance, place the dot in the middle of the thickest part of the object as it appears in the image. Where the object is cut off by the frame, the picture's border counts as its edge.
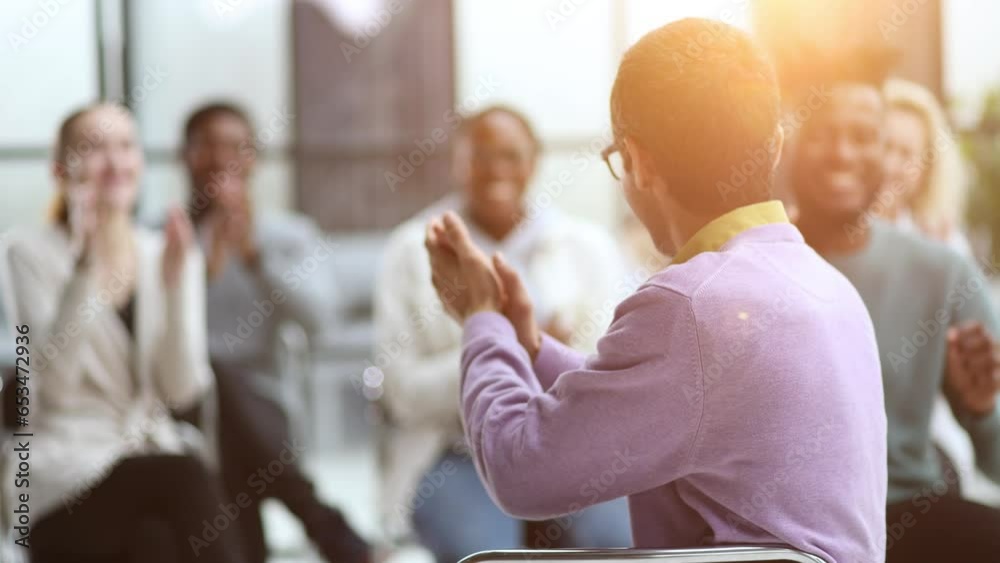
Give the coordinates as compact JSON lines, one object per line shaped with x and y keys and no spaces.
{"x":924,"y":188}
{"x":116,"y":331}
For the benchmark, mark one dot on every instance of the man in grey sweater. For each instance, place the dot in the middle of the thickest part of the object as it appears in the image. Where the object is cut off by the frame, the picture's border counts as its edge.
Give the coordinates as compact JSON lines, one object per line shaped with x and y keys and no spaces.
{"x":263,"y":271}
{"x":934,"y":321}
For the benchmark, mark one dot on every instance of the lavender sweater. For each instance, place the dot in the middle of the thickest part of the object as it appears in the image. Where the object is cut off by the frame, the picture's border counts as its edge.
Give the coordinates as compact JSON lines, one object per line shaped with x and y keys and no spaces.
{"x":735,"y":399}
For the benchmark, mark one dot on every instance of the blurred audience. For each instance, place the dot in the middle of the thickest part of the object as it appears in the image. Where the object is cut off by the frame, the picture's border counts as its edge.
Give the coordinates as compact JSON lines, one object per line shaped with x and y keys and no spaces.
{"x":717,"y":429}
{"x":117,"y":325}
{"x":571,"y":270}
{"x":263,"y":270}
{"x":924,"y":186}
{"x":924,"y":192}
{"x":932,"y":313}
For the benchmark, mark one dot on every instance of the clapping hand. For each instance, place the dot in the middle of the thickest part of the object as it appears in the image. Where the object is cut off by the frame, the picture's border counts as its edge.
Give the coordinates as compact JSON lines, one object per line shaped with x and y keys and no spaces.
{"x":972,"y":379}
{"x":468,"y":282}
{"x":462,"y":274}
{"x":180,"y":237}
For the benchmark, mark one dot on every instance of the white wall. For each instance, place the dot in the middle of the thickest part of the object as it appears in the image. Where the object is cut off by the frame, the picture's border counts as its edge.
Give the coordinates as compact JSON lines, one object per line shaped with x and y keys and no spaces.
{"x":643,"y":16}
{"x":971,"y":55}
{"x":556,"y":64}
{"x":49,"y":65}
{"x":235,"y":50}
{"x":556,"y":61}
{"x":185,"y":51}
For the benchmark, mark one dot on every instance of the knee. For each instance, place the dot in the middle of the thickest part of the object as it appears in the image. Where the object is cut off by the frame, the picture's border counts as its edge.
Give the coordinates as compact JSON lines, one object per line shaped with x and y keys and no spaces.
{"x":186,"y":470}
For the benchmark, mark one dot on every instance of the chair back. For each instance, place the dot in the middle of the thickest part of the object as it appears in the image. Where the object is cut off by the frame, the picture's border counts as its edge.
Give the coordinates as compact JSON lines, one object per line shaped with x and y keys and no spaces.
{"x":722,"y":554}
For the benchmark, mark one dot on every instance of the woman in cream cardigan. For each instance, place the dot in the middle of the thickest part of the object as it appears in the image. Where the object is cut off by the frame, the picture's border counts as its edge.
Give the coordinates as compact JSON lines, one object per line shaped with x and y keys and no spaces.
{"x":429,"y":490}
{"x":115,"y":318}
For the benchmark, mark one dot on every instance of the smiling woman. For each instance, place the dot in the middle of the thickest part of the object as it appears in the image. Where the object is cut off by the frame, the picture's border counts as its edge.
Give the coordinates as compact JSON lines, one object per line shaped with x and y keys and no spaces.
{"x":118,"y":314}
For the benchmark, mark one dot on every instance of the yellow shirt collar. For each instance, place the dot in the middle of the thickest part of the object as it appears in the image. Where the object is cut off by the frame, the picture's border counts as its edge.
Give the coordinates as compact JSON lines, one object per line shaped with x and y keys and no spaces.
{"x":720,"y":230}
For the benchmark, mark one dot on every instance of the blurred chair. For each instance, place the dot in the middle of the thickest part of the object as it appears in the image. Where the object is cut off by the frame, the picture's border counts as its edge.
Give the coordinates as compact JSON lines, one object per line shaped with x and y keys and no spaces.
{"x":340,"y":354}
{"x":728,"y":554}
{"x":294,"y":366}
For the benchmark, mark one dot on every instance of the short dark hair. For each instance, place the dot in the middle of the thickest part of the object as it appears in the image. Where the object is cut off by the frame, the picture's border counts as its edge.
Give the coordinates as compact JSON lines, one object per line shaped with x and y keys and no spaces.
{"x":475,"y":119}
{"x":204,"y":113}
{"x":703,"y":99}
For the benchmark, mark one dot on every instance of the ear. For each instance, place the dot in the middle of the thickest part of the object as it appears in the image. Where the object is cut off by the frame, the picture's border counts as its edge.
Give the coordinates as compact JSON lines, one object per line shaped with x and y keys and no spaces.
{"x":777,"y":146}
{"x":641,"y":165}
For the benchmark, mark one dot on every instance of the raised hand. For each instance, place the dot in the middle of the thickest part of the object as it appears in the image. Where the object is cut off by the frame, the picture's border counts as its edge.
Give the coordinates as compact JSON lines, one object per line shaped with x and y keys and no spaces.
{"x":180,"y":237}
{"x":518,"y":307}
{"x":462,"y":274}
{"x":972,"y":379}
{"x":81,"y":208}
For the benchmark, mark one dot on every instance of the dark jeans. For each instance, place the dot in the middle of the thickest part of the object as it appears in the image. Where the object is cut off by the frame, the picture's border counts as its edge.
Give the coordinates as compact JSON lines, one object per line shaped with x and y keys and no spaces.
{"x":254,"y":438}
{"x":942,"y":529}
{"x":145,"y":511}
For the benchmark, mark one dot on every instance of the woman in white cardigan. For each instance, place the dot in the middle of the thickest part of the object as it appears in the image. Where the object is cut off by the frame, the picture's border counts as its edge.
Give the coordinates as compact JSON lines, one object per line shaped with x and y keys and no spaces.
{"x":115,"y":319}
{"x":429,"y":488}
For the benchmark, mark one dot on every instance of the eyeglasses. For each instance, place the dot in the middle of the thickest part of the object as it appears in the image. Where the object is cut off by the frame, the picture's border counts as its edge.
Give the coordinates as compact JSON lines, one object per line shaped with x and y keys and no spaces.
{"x":615,"y":160}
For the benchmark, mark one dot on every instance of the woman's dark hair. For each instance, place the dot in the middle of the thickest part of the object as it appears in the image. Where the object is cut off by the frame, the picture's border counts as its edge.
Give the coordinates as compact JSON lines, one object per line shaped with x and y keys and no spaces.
{"x":203,"y":114}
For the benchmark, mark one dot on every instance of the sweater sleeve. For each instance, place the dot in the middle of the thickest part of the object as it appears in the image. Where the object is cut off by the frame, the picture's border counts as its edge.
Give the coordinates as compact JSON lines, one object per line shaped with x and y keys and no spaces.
{"x":972,"y":304}
{"x":420,"y":383}
{"x":617,"y":425}
{"x":555,"y":358}
{"x":57,"y":330}
{"x":183,"y":373}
